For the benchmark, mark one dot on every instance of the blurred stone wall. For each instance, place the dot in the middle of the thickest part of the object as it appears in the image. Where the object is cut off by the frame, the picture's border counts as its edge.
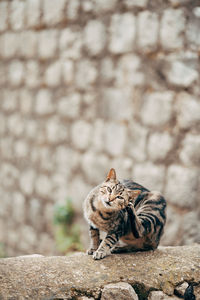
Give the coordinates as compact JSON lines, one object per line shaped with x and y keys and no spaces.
{"x":91,"y":84}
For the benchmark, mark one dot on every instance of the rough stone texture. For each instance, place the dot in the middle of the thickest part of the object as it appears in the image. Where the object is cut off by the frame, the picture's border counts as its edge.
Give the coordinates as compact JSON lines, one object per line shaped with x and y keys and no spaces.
{"x":117,"y":275}
{"x":91,"y":84}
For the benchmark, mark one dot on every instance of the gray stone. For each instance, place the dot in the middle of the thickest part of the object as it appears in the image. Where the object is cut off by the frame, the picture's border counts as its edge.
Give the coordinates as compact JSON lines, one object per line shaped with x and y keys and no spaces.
{"x":25,"y":101}
{"x":53,"y":14}
{"x":18,"y":208}
{"x":172,"y":29}
{"x":27,"y":181}
{"x":68,"y":71}
{"x":119,"y":291}
{"x":188,"y":110}
{"x":81,"y":134}
{"x":115,"y":138}
{"x":44,"y":103}
{"x":32,"y":78}
{"x":180,"y":289}
{"x":192,"y":33}
{"x":180,"y":74}
{"x":9,"y":101}
{"x":70,"y":44}
{"x":159,"y":145}
{"x":32,"y":12}
{"x":149,"y":175}
{"x":28,"y":44}
{"x":123,"y":166}
{"x":52,"y":76}
{"x":9,"y":175}
{"x":148,"y":26}
{"x":94,"y":37}
{"x":137,"y":141}
{"x":190,"y":228}
{"x":9,"y":45}
{"x":107,"y":70}
{"x":21,"y":149}
{"x":128,"y":71}
{"x":43,"y":185}
{"x":3,"y":15}
{"x":157,"y":108}
{"x":159,"y":295}
{"x":115,"y":104}
{"x":56,"y":131}
{"x":98,"y":134}
{"x":95,"y":166}
{"x":136,"y":3}
{"x":47,"y":43}
{"x":16,"y":73}
{"x":73,"y":9}
{"x":190,"y":154}
{"x":122,"y":32}
{"x":86,"y":74}
{"x":28,"y":237}
{"x":35,"y":213}
{"x":70,"y":105}
{"x":196,"y":11}
{"x":181,"y":187}
{"x":104,"y":5}
{"x":15,"y":125}
{"x":17,"y":14}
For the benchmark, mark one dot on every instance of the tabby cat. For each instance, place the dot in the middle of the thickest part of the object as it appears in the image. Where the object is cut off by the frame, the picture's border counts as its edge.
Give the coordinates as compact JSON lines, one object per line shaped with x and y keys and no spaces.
{"x":129,"y":214}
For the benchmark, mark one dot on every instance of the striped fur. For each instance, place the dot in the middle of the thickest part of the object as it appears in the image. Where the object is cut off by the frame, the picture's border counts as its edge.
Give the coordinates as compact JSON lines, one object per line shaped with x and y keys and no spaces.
{"x":129,"y":214}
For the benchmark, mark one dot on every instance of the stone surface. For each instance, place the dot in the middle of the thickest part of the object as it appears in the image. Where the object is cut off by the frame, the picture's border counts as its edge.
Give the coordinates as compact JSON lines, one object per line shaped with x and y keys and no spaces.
{"x":47,"y":44}
{"x":65,"y":280}
{"x":118,"y":291}
{"x":86,"y":74}
{"x":181,"y":187}
{"x":81,"y":134}
{"x":172,"y":29}
{"x":122,"y":32}
{"x":159,"y":145}
{"x":115,"y":138}
{"x":159,"y":295}
{"x":53,"y":14}
{"x":94,"y":37}
{"x":190,"y":154}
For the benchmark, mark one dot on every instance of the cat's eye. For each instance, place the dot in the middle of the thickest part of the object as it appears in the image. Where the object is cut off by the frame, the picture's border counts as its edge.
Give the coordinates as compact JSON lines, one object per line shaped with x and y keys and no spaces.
{"x":109,"y":190}
{"x":119,"y":197}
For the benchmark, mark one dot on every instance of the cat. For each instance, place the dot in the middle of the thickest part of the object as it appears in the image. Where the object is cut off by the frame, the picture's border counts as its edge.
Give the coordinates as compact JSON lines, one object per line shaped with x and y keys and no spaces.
{"x":127,"y":212}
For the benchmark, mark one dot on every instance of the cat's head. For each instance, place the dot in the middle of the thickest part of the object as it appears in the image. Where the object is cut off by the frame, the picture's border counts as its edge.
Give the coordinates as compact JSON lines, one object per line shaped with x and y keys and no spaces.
{"x":113,"y":194}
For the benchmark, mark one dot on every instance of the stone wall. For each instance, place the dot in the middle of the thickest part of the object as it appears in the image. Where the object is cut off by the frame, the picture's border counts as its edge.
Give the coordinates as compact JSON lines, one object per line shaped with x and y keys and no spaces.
{"x":91,"y":84}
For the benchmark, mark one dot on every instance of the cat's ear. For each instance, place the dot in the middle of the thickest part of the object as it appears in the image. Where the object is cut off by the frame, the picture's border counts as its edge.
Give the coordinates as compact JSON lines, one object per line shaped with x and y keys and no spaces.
{"x":134,"y":193}
{"x":111,"y":175}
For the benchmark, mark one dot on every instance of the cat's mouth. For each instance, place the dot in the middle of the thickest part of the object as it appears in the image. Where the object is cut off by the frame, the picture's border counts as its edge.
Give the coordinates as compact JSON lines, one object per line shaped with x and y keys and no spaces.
{"x":107,"y":203}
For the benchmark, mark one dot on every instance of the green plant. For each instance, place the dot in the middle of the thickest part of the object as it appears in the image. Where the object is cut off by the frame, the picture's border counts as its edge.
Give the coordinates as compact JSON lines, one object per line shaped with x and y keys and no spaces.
{"x":67,"y":233}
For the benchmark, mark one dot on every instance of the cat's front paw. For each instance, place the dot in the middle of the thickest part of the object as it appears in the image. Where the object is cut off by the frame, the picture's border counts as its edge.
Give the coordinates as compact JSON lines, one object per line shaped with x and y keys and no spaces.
{"x":99,"y":255}
{"x":90,"y":251}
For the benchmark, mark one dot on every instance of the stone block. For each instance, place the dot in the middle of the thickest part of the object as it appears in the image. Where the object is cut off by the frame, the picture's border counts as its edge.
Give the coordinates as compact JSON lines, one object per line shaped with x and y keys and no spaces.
{"x":52,"y":76}
{"x":66,"y":159}
{"x":9,"y":101}
{"x":190,"y":228}
{"x":188,"y":110}
{"x":115,"y":138}
{"x":149,"y":175}
{"x":159,"y":145}
{"x":128,"y":72}
{"x":181,"y":186}
{"x":32,"y":78}
{"x":15,"y":125}
{"x":192,"y":33}
{"x":28,"y":238}
{"x":122,"y":33}
{"x":9,"y":175}
{"x":123,"y":166}
{"x":180,"y":289}
{"x":9,"y":45}
{"x":47,"y":43}
{"x":43,"y":185}
{"x":27,"y":182}
{"x":172,"y":29}
{"x":70,"y":106}
{"x":70,"y":44}
{"x":81,"y":134}
{"x":98,"y":136}
{"x":68,"y":71}
{"x":53,"y":14}
{"x":159,"y":295}
{"x":18,"y":208}
{"x":107,"y":69}
{"x":157,"y":108}
{"x":56,"y":131}
{"x":181,"y":74}
{"x":94,"y":37}
{"x":94,"y":166}
{"x":3,"y":15}
{"x":17,"y":14}
{"x":33,"y":13}
{"x":136,"y":3}
{"x":43,"y":103}
{"x":21,"y":149}
{"x":35,"y":213}
{"x":86,"y":74}
{"x":16,"y":73}
{"x":137,"y":142}
{"x":115,"y":104}
{"x":102,"y":6}
{"x":28,"y":44}
{"x":148,"y":28}
{"x":73,"y":9}
{"x":190,"y":152}
{"x":119,"y":291}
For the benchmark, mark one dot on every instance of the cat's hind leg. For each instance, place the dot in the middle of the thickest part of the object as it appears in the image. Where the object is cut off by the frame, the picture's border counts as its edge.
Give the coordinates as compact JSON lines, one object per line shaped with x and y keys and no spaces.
{"x":94,"y":240}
